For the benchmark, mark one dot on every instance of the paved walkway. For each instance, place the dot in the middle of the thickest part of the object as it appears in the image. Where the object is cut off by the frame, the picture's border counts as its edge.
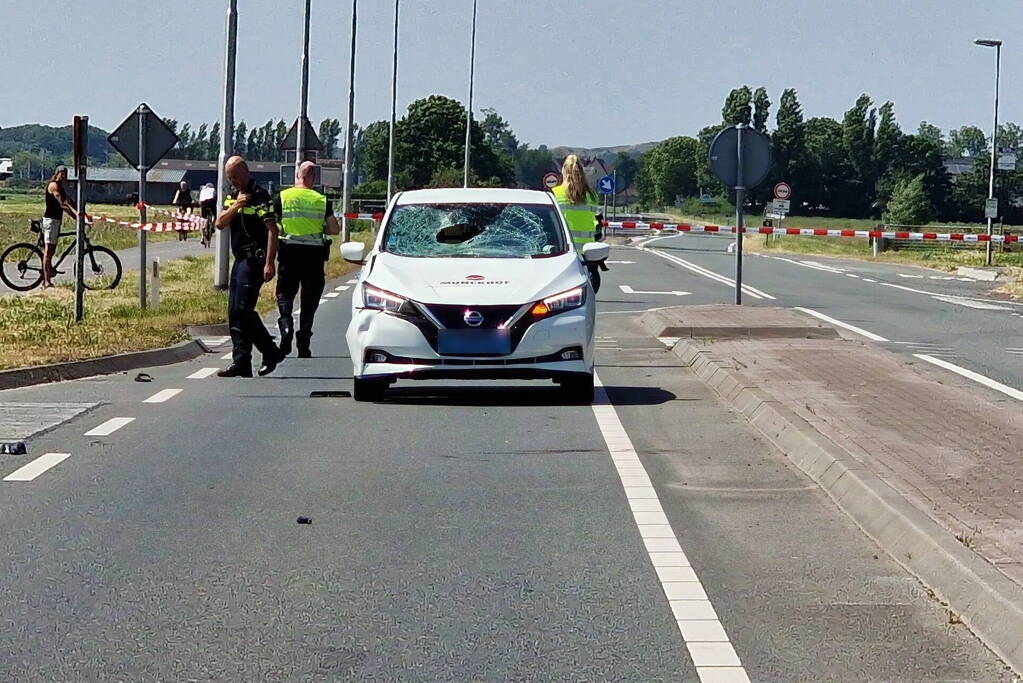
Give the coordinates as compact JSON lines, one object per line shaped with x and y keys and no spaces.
{"x":938,"y":441}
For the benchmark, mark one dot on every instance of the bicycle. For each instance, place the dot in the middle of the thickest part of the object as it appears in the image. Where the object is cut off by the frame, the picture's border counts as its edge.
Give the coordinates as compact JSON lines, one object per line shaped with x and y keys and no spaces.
{"x":21,"y":265}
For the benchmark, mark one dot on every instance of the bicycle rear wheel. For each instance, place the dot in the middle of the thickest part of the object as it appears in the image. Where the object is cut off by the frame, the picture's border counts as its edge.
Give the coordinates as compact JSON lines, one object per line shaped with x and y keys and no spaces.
{"x":102,"y":268}
{"x":21,"y":266}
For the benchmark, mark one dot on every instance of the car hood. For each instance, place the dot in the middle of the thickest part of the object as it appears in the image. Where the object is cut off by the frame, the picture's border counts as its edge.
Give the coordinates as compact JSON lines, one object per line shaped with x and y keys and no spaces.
{"x":481,"y":281}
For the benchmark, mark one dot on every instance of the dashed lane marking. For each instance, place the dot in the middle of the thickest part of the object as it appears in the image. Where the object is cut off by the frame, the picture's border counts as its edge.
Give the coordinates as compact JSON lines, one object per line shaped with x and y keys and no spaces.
{"x":341,"y":288}
{"x":970,"y":374}
{"x":163,"y":396}
{"x":700,"y":270}
{"x":701,"y":629}
{"x":833,"y":321}
{"x":110,"y":426}
{"x":228,"y":356}
{"x":351,"y":282}
{"x":36,"y":467}
{"x":852,"y":275}
{"x":867,"y":279}
{"x":332,"y":295}
{"x":203,"y":373}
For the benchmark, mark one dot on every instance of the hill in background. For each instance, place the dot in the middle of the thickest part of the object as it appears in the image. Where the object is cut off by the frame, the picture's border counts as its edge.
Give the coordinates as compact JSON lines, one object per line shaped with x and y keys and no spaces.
{"x":32,"y":137}
{"x":608,"y":154}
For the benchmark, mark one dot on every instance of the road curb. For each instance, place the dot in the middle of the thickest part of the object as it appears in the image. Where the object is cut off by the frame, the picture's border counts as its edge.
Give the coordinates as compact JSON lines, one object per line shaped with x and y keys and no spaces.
{"x":106,"y":365}
{"x":988,"y":602}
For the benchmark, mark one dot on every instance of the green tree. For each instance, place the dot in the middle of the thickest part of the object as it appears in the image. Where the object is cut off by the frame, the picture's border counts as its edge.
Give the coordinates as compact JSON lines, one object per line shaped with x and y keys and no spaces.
{"x":737,"y":108}
{"x":788,"y":141}
{"x":858,"y":127}
{"x":213,"y":149}
{"x":966,"y":141}
{"x":200,"y":143}
{"x":330,"y":131}
{"x":240,"y":139}
{"x":532,"y":164}
{"x":931,"y":132}
{"x":625,"y":167}
{"x":826,"y":186}
{"x":280,"y":132}
{"x":909,"y":204}
{"x":761,"y":109}
{"x":669,"y":170}
{"x":373,"y":151}
{"x":498,"y":133}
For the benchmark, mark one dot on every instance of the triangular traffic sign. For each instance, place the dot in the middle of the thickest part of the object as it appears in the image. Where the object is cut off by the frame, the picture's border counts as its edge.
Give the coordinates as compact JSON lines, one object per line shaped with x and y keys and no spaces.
{"x":312,"y":140}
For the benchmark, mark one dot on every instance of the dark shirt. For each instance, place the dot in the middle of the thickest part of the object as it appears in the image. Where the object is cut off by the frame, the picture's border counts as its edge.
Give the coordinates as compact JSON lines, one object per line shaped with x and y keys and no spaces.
{"x":54,"y":209}
{"x":249,"y":226}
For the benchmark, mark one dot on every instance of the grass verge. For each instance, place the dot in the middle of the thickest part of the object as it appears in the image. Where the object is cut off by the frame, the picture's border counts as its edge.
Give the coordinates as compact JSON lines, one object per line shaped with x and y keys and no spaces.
{"x":38,"y":328}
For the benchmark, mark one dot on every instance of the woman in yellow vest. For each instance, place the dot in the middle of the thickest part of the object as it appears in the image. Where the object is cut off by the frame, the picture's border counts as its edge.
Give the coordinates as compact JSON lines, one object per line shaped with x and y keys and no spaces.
{"x":579,"y":207}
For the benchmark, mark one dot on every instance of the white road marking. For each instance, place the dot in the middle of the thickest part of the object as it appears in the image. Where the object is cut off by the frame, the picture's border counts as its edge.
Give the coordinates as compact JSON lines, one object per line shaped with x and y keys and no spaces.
{"x":699,"y":270}
{"x":332,"y":295}
{"x":36,"y":467}
{"x":163,"y":395}
{"x":202,"y":373}
{"x":852,"y":275}
{"x":351,"y":282}
{"x":619,"y":263}
{"x":629,"y":290}
{"x":833,"y":321}
{"x":110,"y":426}
{"x":970,"y":303}
{"x":342,"y":288}
{"x":701,"y":630}
{"x":970,"y":374}
{"x":323,"y":301}
{"x":668,"y":341}
{"x":867,"y":279}
{"x":228,"y":356}
{"x":916,"y":277}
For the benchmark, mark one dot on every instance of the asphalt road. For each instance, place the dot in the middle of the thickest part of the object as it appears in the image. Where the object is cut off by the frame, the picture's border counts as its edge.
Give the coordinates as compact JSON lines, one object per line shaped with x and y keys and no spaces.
{"x":473,"y":531}
{"x":917,"y":310}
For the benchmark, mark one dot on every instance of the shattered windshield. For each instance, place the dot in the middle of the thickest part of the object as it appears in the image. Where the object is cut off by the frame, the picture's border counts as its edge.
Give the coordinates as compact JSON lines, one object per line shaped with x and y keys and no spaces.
{"x":475,"y":231}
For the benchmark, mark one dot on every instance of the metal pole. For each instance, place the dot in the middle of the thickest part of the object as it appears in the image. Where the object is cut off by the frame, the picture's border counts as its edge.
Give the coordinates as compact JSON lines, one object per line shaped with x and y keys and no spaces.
{"x":468,"y":109}
{"x":80,"y":228}
{"x":346,"y":201}
{"x":394,"y":109}
{"x":614,"y":195}
{"x":303,"y":107}
{"x":143,"y":112}
{"x":222,"y":252}
{"x":988,"y":256}
{"x":740,"y":198}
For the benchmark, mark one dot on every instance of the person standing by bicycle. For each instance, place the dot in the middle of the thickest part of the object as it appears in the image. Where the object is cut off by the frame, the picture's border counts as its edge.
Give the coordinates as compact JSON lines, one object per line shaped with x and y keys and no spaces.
{"x":183,"y":200}
{"x":57,"y":204}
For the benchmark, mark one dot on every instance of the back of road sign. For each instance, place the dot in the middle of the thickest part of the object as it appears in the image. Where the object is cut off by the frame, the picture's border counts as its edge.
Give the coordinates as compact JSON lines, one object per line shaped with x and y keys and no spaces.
{"x":159,"y":138}
{"x":756,"y":157}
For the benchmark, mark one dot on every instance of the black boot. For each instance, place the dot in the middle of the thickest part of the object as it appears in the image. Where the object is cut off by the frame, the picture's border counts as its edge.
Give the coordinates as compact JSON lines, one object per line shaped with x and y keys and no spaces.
{"x":270,"y":362}
{"x":235,"y":370}
{"x":303,"y":340}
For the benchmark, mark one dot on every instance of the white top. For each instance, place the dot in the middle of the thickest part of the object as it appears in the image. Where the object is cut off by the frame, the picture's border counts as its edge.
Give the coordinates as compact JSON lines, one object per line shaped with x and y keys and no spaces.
{"x":207,"y":193}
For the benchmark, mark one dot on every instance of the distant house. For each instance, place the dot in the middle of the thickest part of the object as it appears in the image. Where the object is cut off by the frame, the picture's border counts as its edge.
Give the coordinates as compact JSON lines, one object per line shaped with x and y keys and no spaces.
{"x":6,"y":168}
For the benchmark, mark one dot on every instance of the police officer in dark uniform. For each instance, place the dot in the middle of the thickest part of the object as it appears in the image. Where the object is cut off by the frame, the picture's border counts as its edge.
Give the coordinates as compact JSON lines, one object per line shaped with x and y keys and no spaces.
{"x":248,"y":211}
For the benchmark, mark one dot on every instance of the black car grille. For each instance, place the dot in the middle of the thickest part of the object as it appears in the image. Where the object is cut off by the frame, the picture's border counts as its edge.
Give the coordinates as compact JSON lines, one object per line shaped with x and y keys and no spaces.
{"x":453,"y":317}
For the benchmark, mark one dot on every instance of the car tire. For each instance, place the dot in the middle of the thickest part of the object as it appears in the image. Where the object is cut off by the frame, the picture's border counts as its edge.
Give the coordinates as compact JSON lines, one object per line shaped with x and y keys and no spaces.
{"x":369,"y":389}
{"x":578,"y":389}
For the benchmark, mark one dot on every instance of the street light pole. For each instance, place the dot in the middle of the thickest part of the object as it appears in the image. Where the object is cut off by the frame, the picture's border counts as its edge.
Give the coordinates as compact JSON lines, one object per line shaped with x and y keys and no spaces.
{"x":303,"y":107}
{"x":468,"y":109}
{"x":394,"y":109}
{"x":346,"y":199}
{"x":997,"y":44}
{"x":222,"y":257}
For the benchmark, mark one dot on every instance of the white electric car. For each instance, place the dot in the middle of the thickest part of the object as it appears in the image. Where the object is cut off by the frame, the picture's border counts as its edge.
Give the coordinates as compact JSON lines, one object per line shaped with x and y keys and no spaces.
{"x":473,"y":284}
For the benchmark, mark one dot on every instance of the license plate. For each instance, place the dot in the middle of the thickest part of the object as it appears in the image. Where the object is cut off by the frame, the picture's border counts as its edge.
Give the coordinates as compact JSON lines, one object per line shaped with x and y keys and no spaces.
{"x":474,"y":342}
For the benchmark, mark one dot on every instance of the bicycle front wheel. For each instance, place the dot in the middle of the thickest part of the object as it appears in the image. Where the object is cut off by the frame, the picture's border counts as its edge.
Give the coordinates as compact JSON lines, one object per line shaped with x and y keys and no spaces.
{"x":102,"y":268}
{"x":21,"y":266}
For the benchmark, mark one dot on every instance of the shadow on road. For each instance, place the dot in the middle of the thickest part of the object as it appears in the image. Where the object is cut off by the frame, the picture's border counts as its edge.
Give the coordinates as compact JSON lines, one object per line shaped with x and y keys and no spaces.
{"x":509,"y":396}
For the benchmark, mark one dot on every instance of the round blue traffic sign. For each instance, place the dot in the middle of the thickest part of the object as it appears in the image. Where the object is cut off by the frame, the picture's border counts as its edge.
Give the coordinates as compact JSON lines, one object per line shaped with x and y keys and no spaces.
{"x":606,"y":185}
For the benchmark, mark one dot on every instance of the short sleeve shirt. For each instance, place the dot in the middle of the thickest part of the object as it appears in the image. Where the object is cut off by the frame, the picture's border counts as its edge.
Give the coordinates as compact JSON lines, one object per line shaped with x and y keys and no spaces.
{"x":249,"y":227}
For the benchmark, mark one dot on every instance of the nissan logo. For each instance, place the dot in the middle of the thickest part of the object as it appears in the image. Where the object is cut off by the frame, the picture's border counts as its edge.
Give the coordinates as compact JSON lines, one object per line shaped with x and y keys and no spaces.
{"x":473,"y":318}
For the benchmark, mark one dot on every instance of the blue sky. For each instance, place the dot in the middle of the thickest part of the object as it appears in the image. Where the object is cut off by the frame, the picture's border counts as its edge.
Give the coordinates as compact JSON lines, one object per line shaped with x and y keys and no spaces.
{"x":574,"y":72}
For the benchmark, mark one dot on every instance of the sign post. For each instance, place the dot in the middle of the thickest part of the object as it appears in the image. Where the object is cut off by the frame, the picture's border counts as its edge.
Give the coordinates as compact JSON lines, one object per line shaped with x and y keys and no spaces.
{"x":80,"y":148}
{"x":740,"y":157}
{"x":143,"y":139}
{"x":551,"y":180}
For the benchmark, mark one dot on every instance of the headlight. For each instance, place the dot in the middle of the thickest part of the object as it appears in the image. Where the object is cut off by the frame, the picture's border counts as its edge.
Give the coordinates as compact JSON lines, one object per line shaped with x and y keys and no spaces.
{"x":559,"y":303}
{"x":380,"y":299}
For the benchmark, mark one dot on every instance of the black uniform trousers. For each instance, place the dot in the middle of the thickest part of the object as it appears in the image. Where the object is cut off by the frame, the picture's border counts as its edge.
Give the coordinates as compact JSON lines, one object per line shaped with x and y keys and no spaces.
{"x":299,"y":265}
{"x":247,"y":328}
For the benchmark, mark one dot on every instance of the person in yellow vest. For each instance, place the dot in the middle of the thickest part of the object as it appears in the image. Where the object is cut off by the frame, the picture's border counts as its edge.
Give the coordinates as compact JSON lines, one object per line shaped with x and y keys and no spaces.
{"x":579,"y":207}
{"x":306,"y":217}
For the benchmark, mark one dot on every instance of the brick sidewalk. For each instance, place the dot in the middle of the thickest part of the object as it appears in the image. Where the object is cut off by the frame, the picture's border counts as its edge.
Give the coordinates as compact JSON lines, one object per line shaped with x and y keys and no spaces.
{"x":934,"y":438}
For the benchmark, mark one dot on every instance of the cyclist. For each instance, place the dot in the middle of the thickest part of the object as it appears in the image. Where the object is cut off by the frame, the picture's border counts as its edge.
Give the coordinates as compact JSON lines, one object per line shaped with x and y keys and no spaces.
{"x":57,"y":204}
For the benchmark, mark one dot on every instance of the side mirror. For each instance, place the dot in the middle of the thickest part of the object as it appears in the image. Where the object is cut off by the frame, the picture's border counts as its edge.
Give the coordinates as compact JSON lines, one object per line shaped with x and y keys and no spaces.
{"x":353,"y":252}
{"x":595,"y":252}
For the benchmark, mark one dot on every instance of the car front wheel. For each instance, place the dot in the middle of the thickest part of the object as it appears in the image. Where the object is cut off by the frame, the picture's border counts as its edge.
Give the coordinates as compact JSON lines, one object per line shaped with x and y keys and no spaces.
{"x":369,"y":389}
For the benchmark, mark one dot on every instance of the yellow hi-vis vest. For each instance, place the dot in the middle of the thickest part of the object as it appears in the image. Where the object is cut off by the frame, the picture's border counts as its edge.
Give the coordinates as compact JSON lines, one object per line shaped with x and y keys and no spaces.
{"x":581,"y":218}
{"x":302,"y":216}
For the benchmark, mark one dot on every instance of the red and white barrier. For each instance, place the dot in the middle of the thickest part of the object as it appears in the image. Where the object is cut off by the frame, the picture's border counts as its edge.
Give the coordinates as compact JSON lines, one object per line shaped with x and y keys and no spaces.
{"x":364,"y":216}
{"x":669,"y":228}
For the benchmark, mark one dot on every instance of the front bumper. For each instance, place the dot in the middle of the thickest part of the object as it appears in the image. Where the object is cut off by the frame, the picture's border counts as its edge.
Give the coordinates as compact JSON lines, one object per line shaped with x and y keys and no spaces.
{"x":410,"y":355}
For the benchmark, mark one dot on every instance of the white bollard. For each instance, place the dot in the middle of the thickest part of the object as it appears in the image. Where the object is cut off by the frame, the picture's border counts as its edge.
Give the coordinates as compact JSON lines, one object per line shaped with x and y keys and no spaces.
{"x":155,"y":284}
